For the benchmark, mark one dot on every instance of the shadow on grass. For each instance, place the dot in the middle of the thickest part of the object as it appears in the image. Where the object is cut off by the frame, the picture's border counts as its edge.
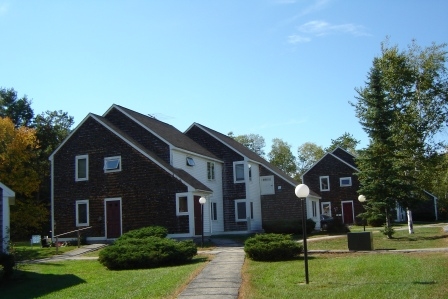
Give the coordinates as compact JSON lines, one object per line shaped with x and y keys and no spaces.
{"x":419,"y":238}
{"x":26,"y":284}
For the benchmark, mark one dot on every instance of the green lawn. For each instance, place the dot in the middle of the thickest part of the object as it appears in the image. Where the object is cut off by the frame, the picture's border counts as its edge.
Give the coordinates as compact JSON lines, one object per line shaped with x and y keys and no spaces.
{"x":410,"y":275}
{"x":349,"y":275}
{"x":90,"y":279}
{"x":424,"y":237}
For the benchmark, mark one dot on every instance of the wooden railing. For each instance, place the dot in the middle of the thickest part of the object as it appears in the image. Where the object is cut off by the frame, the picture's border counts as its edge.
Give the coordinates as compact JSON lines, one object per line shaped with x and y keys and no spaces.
{"x":76,"y":230}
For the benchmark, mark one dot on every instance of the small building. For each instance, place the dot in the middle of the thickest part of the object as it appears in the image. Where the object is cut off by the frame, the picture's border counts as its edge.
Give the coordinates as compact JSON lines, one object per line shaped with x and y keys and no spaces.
{"x":7,"y":199}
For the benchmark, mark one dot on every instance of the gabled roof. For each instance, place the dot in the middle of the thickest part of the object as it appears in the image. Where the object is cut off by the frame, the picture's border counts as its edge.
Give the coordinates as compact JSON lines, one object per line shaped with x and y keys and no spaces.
{"x":177,"y":173}
{"x":348,"y":160}
{"x":168,"y":133}
{"x":245,"y":152}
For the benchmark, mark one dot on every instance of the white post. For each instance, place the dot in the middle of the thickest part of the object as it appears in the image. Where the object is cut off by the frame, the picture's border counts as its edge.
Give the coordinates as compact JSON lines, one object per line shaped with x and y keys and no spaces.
{"x":410,"y":223}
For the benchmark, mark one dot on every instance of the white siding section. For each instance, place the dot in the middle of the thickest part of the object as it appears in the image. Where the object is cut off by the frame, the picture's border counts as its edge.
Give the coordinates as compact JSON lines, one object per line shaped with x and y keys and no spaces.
{"x":253,"y":195}
{"x":199,"y":171}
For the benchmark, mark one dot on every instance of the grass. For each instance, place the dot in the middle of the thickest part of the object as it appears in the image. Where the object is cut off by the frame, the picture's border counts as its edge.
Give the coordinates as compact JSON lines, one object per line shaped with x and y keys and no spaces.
{"x":90,"y":279}
{"x":424,"y":237}
{"x":24,"y":251}
{"x":411,"y":275}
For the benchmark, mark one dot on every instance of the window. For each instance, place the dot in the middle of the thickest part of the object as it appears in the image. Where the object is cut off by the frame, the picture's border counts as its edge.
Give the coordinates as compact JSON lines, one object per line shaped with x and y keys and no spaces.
{"x":240,"y":210}
{"x":324,"y":183}
{"x":82,"y":213}
{"x":112,"y":164}
{"x":314,"y":207}
{"x":211,"y":171}
{"x":326,"y":208}
{"x":82,"y":168}
{"x":345,"y":182}
{"x":250,"y":172}
{"x":214,"y":210}
{"x":251,"y":210}
{"x":190,"y":161}
{"x":182,"y":204}
{"x":238,"y":172}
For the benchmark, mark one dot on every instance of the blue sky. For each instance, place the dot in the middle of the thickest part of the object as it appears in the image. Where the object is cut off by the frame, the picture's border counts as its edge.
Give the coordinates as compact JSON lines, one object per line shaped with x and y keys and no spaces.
{"x":278,"y":68}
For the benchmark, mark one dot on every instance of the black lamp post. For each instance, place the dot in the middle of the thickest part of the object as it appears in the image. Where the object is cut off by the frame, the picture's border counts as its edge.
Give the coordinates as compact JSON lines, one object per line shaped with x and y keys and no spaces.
{"x":302,"y":191}
{"x":202,"y":201}
{"x":362,"y":199}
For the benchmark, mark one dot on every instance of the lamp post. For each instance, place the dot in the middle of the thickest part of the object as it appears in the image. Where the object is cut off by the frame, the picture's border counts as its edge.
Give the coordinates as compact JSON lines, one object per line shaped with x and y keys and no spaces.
{"x":362,"y":199}
{"x":302,"y":191}
{"x":202,"y":201}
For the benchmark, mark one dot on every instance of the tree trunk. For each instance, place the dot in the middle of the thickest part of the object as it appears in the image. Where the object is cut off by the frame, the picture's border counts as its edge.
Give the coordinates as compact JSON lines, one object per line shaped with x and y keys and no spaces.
{"x":410,"y":223}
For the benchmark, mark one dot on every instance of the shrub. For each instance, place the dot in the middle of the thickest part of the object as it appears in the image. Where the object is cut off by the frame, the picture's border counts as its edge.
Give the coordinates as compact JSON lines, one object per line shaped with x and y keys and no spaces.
{"x":140,"y":249}
{"x":272,"y":247}
{"x":149,"y":231}
{"x":288,"y":226}
{"x":388,"y":231}
{"x":7,"y":262}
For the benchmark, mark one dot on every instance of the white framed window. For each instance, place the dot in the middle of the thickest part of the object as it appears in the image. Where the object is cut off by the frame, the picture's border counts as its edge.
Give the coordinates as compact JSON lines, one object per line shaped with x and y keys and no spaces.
{"x":326,"y":208}
{"x":324,"y":183}
{"x":240,"y":210}
{"x":82,"y":212}
{"x":250,"y":172}
{"x":190,"y":161}
{"x":182,"y":204}
{"x":112,"y":164}
{"x":211,"y":171}
{"x":345,"y":182}
{"x":314,"y":208}
{"x":238,"y":172}
{"x":81,"y":168}
{"x":214,"y":210}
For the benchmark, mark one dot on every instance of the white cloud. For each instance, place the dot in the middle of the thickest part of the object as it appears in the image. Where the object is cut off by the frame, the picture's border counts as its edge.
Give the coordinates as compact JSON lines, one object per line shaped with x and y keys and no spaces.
{"x":296,"y":39}
{"x":320,"y":28}
{"x":316,"y":6}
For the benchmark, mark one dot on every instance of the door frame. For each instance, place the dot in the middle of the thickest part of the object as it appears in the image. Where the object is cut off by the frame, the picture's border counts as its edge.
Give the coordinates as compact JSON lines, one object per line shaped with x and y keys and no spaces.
{"x":353,"y":210}
{"x":105,"y":215}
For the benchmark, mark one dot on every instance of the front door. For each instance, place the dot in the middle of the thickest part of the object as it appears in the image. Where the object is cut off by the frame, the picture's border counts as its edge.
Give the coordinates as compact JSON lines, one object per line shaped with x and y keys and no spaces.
{"x":113,"y":219}
{"x":347,"y":212}
{"x":197,"y":216}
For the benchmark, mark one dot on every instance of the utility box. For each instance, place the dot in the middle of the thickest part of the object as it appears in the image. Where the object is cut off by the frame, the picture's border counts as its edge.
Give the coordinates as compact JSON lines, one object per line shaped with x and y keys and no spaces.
{"x":360,"y":241}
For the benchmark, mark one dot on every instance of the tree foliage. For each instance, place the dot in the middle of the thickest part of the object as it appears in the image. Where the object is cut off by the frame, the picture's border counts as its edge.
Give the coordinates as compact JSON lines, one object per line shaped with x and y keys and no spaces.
{"x":282,"y":157}
{"x":401,"y":108}
{"x":345,"y":141}
{"x":254,"y":142}
{"x":17,"y":109}
{"x":25,"y":146}
{"x":308,"y":154}
{"x":18,"y":148}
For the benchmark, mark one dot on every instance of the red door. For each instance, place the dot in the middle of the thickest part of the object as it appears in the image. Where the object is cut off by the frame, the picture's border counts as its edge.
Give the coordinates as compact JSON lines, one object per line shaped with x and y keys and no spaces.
{"x":197,"y":216}
{"x":113,"y":219}
{"x":347,"y":212}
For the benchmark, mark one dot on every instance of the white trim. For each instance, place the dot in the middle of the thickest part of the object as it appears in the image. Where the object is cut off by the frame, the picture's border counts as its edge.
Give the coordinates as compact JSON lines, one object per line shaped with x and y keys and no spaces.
{"x":77,"y":158}
{"x":342,"y":209}
{"x":77,"y":203}
{"x":105,"y":214}
{"x":235,"y":163}
{"x":345,"y":178}
{"x":114,"y":158}
{"x":178,"y":196}
{"x":7,"y":200}
{"x":320,"y":182}
{"x":322,"y":207}
{"x":237,"y":201}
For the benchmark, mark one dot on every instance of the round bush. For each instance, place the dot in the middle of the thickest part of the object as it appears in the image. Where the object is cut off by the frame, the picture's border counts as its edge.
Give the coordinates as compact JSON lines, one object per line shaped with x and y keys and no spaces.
{"x":149,"y":231}
{"x":272,"y":247}
{"x":149,"y":252}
